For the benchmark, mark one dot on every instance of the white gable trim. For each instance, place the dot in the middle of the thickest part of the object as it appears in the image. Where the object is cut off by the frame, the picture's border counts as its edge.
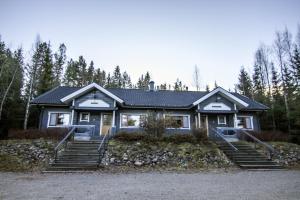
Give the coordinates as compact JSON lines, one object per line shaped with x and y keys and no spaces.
{"x":216,"y":106}
{"x":88,"y":88}
{"x":219,"y":89}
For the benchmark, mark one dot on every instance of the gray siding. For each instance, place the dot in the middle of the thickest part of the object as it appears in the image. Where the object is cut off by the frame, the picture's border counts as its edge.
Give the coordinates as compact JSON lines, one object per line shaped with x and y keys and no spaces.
{"x":45,"y":114}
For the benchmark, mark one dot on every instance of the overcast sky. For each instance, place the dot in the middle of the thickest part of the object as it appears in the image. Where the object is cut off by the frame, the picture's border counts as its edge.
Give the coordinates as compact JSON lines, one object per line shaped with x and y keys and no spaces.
{"x":166,"y":38}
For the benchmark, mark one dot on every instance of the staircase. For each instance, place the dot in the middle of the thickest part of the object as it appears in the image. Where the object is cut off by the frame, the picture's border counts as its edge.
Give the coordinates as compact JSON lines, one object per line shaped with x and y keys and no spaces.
{"x":247,"y":157}
{"x":79,"y":156}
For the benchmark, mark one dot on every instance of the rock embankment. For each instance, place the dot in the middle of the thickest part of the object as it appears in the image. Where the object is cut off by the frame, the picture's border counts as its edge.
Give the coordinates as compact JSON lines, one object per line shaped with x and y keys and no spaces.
{"x":29,"y":155}
{"x":165,"y":155}
{"x":288,"y":154}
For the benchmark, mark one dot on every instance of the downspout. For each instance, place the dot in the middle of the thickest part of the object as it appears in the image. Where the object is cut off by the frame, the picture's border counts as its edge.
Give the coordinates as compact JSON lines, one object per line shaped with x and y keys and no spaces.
{"x":72,"y":118}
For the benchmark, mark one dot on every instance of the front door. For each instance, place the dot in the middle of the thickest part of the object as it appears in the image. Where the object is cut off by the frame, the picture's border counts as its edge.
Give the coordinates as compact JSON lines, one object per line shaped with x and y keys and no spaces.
{"x":106,"y":123}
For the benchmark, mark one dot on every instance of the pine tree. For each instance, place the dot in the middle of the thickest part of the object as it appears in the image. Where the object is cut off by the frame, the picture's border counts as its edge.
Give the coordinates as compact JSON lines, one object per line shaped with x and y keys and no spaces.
{"x":108,"y":81}
{"x":82,"y":79}
{"x":100,"y":77}
{"x":126,"y":81}
{"x":90,"y":73}
{"x":245,"y":84}
{"x":207,"y":88}
{"x":163,"y":86}
{"x":60,"y":59}
{"x":116,"y":78}
{"x":71,"y":77}
{"x":295,"y":65}
{"x":45,"y":78}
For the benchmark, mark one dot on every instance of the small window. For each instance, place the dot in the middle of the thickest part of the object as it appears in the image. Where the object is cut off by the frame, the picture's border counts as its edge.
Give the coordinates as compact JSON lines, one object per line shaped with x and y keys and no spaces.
{"x":245,"y":122}
{"x":84,"y":117}
{"x":132,"y":120}
{"x":177,"y":121}
{"x":222,"y":120}
{"x":59,"y":119}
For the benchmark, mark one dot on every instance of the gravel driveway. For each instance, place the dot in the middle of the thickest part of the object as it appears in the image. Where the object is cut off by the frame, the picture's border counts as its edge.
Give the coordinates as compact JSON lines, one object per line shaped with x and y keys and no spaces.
{"x":152,"y":185}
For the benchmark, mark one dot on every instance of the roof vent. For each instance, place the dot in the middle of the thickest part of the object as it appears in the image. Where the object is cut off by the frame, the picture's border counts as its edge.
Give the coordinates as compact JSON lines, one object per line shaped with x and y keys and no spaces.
{"x":151,"y":84}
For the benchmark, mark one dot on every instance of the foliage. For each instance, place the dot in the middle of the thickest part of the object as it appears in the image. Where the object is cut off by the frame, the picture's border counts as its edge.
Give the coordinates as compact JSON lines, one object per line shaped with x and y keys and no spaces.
{"x":200,"y":134}
{"x":53,"y":134}
{"x":153,"y":125}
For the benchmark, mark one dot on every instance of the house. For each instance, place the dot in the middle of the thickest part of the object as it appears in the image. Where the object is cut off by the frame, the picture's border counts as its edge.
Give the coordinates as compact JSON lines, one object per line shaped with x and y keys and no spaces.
{"x":126,"y":109}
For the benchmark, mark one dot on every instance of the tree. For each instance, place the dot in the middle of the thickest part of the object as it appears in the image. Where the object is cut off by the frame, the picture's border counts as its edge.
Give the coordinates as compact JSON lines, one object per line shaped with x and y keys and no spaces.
{"x":71,"y":76}
{"x":295,"y":65}
{"x":245,"y":84}
{"x":207,"y":88}
{"x":196,"y":77}
{"x":82,"y":79}
{"x":60,"y":59}
{"x":126,"y":80}
{"x":14,"y":68}
{"x":279,"y":48}
{"x":100,"y":77}
{"x":116,"y":78}
{"x":32,"y":71}
{"x":90,"y":73}
{"x":163,"y":86}
{"x":45,"y":78}
{"x":143,"y":81}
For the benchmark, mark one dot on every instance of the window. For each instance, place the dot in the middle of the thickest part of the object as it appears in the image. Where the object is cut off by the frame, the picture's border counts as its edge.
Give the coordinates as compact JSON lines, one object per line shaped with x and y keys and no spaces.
{"x":59,"y":119}
{"x":84,"y":117}
{"x":222,"y":120}
{"x":245,"y":122}
{"x":177,"y":121}
{"x":132,"y":120}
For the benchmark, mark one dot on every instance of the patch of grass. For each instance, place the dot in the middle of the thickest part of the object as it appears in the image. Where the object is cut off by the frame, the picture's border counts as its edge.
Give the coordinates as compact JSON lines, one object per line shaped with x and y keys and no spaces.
{"x":12,"y":163}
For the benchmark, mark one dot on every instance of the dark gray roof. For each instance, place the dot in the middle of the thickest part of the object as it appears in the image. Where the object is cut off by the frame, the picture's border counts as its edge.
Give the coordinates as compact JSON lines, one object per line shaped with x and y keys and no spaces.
{"x":142,"y":98}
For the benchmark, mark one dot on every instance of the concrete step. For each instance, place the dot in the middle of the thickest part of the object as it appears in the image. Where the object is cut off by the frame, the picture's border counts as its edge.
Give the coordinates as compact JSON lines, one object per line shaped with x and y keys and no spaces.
{"x":243,"y":162}
{"x":253,"y":166}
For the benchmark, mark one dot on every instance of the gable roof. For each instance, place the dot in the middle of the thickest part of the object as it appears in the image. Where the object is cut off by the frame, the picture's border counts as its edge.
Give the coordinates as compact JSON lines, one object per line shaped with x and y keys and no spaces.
{"x":143,"y":98}
{"x":222,"y":92}
{"x":87,"y":88}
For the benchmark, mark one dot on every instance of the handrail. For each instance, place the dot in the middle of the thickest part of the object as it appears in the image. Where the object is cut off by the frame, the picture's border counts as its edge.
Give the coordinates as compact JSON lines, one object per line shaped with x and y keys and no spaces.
{"x":69,"y":135}
{"x":223,"y":138}
{"x":101,"y":145}
{"x":271,"y":150}
{"x":65,"y":138}
{"x":63,"y":141}
{"x":259,"y":141}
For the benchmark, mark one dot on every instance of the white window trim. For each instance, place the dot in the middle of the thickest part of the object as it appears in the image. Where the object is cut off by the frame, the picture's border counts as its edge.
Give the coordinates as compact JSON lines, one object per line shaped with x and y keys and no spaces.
{"x":183,"y":115}
{"x":137,"y":127}
{"x":251,"y":119}
{"x":225,"y":122}
{"x":51,"y":112}
{"x":80,"y":117}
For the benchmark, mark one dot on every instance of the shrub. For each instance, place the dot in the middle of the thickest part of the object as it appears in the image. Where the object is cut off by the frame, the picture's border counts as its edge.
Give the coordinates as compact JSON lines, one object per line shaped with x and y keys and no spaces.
{"x":154,"y":126}
{"x":294,"y":136}
{"x":129,"y":137}
{"x":180,"y":138}
{"x":200,"y":134}
{"x":267,"y":136}
{"x":53,"y":134}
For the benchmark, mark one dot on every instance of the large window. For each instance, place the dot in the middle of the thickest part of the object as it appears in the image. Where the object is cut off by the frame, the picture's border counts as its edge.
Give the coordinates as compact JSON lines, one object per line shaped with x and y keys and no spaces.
{"x":245,"y":122}
{"x":132,"y":120}
{"x":59,"y":119}
{"x":177,"y":121}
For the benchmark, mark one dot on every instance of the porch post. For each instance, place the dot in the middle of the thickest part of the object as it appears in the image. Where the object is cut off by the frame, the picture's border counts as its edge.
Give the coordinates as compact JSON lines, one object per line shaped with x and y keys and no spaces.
{"x":72,"y":117}
{"x":199,"y":116}
{"x":235,"y":117}
{"x":114,"y":115}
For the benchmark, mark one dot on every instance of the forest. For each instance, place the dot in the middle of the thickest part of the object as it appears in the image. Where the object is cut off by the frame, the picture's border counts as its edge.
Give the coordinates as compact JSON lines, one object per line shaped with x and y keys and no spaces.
{"x":273,"y":80}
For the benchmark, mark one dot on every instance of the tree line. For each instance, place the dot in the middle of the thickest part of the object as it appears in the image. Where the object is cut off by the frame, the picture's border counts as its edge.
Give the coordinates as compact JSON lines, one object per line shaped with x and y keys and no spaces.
{"x":45,"y":69}
{"x":275,"y":81}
